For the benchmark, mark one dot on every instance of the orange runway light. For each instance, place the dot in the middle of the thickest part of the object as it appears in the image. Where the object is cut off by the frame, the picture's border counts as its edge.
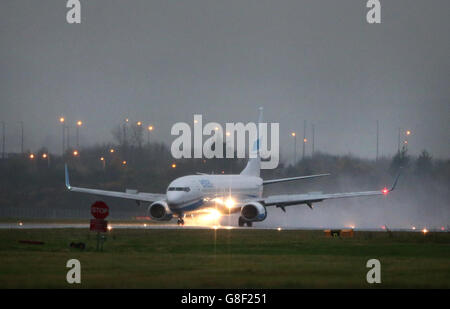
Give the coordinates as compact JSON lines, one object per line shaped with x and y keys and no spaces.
{"x":174,"y":165}
{"x":124,"y":162}
{"x":75,"y":153}
{"x":31,"y":156}
{"x":44,"y":156}
{"x":79,"y":123}
{"x":62,"y":119}
{"x":111,"y":150}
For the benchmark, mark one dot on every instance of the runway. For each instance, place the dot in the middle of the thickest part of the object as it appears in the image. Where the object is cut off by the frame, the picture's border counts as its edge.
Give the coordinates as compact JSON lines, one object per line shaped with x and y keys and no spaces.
{"x":113,"y":226}
{"x":151,"y":226}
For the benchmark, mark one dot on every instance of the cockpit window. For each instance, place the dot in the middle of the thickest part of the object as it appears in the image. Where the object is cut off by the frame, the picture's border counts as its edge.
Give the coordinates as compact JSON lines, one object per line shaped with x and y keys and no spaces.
{"x":185,"y":189}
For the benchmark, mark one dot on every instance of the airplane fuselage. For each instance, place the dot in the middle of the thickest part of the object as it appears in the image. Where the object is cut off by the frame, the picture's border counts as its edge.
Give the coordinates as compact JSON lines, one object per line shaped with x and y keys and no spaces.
{"x":193,"y":192}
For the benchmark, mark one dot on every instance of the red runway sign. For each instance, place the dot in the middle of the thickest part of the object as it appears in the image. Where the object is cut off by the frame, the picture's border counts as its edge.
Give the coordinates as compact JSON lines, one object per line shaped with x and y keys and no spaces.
{"x":99,"y":210}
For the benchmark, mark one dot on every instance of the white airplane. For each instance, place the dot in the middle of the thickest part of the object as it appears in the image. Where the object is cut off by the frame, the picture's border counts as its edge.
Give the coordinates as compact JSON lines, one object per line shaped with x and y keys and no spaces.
{"x":227,"y":193}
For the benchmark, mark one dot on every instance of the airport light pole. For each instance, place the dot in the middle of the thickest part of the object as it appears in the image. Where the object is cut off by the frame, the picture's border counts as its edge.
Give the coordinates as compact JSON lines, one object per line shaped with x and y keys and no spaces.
{"x":79,"y":124}
{"x":294,"y":135}
{"x":149,"y":130}
{"x":304,"y":140}
{"x":46,"y":156}
{"x":3,"y":139}
{"x":125,"y":138}
{"x":313,"y":139}
{"x":378,"y":131}
{"x":407,"y":134}
{"x":62,"y":120}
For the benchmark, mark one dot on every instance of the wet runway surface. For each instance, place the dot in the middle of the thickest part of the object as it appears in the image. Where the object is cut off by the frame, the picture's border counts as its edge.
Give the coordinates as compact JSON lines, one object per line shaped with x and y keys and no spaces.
{"x":127,"y":226}
{"x":174,"y":226}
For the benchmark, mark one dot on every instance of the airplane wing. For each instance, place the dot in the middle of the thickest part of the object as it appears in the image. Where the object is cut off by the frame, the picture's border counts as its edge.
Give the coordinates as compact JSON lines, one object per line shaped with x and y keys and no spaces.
{"x":297,"y":199}
{"x":145,"y":197}
{"x":271,"y":181}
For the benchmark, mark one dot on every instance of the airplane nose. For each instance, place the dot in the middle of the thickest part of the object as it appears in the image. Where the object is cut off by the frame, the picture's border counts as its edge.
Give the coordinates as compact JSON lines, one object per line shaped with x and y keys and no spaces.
{"x":174,"y":197}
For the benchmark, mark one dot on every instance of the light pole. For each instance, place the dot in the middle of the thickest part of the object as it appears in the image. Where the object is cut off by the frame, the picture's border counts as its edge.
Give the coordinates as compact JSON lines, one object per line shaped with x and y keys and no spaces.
{"x":378,"y":131}
{"x":62,"y":120}
{"x":79,"y":124}
{"x":124,"y":146}
{"x":294,"y":135}
{"x":102,"y":159}
{"x":304,"y":140}
{"x":3,"y":139}
{"x":46,"y":156}
{"x":407,"y":134}
{"x":139,"y":133}
{"x":149,"y":129}
{"x":313,"y":139}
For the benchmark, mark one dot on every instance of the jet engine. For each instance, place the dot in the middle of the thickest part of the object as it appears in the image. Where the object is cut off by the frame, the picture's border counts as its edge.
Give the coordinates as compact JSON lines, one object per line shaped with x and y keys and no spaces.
{"x":159,"y":211}
{"x":253,"y":212}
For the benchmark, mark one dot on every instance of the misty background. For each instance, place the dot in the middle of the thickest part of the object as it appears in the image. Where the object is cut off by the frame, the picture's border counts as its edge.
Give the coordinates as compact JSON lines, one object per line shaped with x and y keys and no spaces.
{"x":161,"y":62}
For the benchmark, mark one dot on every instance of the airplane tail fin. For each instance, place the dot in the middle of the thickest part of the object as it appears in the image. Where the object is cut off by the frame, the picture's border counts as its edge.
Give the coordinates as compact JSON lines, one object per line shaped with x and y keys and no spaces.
{"x":253,"y":166}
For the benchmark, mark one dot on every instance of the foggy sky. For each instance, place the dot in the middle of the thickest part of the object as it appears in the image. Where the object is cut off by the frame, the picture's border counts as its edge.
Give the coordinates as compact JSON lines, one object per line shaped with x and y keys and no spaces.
{"x":162,"y":61}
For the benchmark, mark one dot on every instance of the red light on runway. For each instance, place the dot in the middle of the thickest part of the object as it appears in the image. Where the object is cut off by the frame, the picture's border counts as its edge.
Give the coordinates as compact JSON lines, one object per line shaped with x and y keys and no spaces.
{"x":385,"y":191}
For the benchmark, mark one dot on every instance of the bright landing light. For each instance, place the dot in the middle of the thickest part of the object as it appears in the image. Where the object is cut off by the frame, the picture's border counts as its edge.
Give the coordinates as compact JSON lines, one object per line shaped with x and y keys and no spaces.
{"x":229,"y":203}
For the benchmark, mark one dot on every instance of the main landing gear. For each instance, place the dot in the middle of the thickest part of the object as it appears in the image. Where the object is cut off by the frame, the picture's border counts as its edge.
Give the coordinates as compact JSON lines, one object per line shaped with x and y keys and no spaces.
{"x":242,"y":222}
{"x":180,"y":222}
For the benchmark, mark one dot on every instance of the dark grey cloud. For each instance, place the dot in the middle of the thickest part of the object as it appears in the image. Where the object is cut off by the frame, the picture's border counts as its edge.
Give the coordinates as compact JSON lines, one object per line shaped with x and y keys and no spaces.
{"x":162,"y":61}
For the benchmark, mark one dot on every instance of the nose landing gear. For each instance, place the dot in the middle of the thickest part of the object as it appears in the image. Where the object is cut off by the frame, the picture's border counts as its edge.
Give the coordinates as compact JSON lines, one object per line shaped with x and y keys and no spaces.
{"x":180,"y":222}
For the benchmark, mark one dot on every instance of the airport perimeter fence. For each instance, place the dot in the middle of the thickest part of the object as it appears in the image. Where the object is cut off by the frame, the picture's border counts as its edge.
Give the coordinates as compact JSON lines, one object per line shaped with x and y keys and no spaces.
{"x":39,"y":213}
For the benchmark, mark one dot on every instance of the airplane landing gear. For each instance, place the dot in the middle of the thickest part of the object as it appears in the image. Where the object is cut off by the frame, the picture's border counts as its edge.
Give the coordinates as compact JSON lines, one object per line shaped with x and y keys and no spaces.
{"x":180,"y":222}
{"x":242,"y":222}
